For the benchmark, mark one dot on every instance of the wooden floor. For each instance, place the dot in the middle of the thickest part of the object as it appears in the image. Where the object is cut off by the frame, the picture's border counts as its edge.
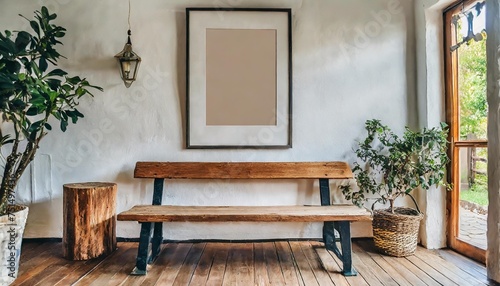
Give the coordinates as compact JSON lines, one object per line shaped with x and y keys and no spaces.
{"x":259,"y":263}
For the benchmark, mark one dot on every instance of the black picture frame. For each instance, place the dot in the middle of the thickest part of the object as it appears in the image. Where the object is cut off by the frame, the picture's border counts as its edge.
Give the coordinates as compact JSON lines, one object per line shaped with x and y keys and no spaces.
{"x":201,"y":136}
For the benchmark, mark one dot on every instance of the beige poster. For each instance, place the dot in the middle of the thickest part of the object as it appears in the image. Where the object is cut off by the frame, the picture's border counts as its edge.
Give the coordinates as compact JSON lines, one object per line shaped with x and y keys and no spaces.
{"x":241,"y":77}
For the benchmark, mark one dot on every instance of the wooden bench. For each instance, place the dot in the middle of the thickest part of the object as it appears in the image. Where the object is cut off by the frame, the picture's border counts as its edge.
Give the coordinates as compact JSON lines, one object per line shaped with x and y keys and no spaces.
{"x":335,"y":217}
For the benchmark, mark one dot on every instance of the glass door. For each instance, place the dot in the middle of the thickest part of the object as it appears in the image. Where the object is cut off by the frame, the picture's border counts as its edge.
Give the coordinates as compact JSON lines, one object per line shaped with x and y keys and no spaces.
{"x":466,"y":106}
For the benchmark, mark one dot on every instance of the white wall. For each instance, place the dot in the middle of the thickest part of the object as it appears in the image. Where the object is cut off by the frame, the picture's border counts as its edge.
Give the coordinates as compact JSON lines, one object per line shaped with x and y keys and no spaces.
{"x":431,"y":108}
{"x":353,"y":60}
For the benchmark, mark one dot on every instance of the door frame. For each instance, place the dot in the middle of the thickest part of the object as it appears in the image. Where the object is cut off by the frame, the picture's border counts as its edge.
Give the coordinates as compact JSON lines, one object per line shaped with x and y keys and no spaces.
{"x":452,"y":118}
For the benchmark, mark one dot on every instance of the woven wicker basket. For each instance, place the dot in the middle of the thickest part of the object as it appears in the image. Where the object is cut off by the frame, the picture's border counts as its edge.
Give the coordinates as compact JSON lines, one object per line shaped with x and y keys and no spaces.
{"x":396,"y":233}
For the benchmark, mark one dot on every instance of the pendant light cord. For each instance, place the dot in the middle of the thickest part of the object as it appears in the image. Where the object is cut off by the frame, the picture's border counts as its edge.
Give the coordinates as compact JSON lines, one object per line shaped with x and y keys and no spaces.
{"x":129,"y":14}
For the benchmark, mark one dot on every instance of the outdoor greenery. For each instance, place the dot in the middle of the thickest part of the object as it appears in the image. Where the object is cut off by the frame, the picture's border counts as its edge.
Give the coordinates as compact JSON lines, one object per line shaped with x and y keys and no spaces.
{"x":32,"y":92}
{"x":478,"y":189}
{"x":474,"y":111}
{"x":479,"y":197}
{"x":472,"y":89}
{"x":391,"y":166}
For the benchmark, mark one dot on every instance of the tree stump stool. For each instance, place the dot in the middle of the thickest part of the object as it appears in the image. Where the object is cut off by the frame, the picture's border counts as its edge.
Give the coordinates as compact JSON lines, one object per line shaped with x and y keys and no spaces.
{"x":89,"y":220}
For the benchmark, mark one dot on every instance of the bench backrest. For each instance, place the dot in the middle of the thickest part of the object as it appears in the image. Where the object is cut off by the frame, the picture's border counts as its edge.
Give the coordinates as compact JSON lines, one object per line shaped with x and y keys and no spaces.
{"x":243,"y":170}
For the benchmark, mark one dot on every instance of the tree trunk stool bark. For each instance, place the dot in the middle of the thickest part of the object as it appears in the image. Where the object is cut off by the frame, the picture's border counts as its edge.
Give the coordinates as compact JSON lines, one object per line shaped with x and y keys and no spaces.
{"x":89,"y":211}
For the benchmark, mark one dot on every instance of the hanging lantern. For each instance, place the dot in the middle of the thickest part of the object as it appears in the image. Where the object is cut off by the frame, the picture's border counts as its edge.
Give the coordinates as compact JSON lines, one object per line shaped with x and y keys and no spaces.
{"x":129,"y":63}
{"x":128,"y":60}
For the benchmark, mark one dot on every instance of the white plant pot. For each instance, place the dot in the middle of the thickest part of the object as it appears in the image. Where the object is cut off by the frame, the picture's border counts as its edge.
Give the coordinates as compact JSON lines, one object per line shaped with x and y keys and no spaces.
{"x":11,"y":237}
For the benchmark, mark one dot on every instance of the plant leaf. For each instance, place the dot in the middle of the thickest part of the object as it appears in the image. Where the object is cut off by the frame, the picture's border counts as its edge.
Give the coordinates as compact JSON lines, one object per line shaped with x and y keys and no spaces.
{"x":42,"y":64}
{"x":64,"y":125}
{"x":57,"y":72}
{"x":34,"y":25}
{"x":22,"y":40}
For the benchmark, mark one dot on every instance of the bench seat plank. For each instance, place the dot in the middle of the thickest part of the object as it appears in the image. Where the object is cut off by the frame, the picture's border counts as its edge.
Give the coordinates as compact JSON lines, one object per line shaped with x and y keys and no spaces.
{"x":243,"y":170}
{"x":166,"y":213}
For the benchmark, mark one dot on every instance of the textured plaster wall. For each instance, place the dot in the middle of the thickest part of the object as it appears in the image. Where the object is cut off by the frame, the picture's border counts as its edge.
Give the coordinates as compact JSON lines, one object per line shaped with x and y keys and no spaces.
{"x":430,"y":95}
{"x":352,"y":61}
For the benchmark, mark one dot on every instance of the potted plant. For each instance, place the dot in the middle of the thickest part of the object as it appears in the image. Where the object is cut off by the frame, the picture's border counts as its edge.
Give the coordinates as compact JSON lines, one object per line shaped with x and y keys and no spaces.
{"x":33,"y":95}
{"x":390,"y":167}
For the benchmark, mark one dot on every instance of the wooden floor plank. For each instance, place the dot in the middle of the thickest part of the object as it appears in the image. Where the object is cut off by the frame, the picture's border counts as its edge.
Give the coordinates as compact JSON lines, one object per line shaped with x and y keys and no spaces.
{"x":373,"y":269}
{"x":34,"y":253}
{"x":305,"y":271}
{"x":369,"y":248}
{"x":46,"y":268}
{"x":365,"y":271}
{"x":417,"y":272}
{"x":287,"y":263}
{"x":261,"y":275}
{"x":109,"y":267}
{"x":277,"y":263}
{"x":173,"y":265}
{"x":154,"y":270}
{"x":122,"y":273}
{"x":32,"y":269}
{"x":200,"y":274}
{"x":377,"y":271}
{"x":405,"y":272}
{"x":30,"y":247}
{"x":219,"y":264}
{"x":443,"y":271}
{"x":468,"y":265}
{"x":431,"y":271}
{"x":71,"y":274}
{"x":187,"y":269}
{"x":328,"y":264}
{"x":65,"y":272}
{"x":447,"y":268}
{"x":240,"y":265}
{"x":352,"y":280}
{"x":53,"y":263}
{"x":312,"y":257}
{"x":273,"y":266}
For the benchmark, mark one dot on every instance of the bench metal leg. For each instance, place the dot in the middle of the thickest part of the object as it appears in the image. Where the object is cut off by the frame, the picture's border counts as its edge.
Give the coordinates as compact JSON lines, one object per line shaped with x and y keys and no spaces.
{"x":143,"y":251}
{"x":149,"y":248}
{"x":157,"y":240}
{"x":345,"y":253}
{"x":329,"y":234}
{"x":158,"y":226}
{"x":344,"y":229}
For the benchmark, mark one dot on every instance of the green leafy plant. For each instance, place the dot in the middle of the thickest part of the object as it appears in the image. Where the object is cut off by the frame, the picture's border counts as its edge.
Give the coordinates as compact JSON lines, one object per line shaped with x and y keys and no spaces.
{"x":391,"y":166}
{"x":472,"y":89}
{"x":32,"y":92}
